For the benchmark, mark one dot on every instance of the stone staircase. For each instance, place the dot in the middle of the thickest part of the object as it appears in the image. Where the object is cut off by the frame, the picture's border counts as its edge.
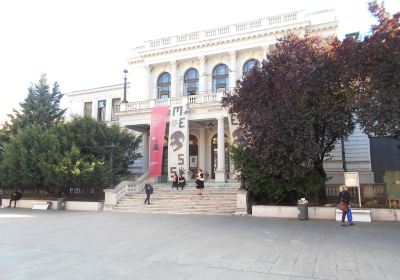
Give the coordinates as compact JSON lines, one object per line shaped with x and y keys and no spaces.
{"x":217,"y":199}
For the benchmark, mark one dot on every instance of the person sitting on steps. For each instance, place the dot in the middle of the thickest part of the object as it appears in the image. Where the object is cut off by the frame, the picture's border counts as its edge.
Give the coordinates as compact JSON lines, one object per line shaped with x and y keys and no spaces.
{"x":175,"y":182}
{"x":181,"y":181}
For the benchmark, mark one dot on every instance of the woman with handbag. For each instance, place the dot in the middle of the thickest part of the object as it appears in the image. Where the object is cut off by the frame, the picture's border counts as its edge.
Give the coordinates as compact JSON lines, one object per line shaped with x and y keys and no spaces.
{"x":343,"y":202}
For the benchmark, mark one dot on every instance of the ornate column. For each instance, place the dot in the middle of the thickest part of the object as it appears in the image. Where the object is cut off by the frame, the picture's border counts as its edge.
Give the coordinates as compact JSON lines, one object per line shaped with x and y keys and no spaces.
{"x":202,"y":75}
{"x":201,"y":163}
{"x":174,"y":79}
{"x":220,"y":172}
{"x":146,"y":154}
{"x":232,"y":68}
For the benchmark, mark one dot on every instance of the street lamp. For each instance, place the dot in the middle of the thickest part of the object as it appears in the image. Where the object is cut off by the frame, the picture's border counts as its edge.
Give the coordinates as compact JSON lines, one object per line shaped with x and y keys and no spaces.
{"x":125,"y":101}
{"x":111,"y":147}
{"x":242,"y":140}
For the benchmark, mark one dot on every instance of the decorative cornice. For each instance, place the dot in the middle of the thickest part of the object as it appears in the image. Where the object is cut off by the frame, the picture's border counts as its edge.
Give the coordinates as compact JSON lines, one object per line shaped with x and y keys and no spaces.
{"x":97,"y":90}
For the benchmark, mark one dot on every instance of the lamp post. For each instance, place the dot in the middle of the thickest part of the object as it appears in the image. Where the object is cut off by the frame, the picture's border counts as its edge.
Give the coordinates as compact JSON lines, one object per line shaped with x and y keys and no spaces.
{"x":242,"y":140}
{"x":111,"y":147}
{"x":125,"y":101}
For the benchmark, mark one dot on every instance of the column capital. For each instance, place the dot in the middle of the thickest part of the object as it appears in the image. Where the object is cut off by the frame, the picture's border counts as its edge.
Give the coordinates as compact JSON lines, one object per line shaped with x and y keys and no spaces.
{"x":202,"y":57}
{"x":148,"y":67}
{"x":233,"y":53}
{"x":173,"y":62}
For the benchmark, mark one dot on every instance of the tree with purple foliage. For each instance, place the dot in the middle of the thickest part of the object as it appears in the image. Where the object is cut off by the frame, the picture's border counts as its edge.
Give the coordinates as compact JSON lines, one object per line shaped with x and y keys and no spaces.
{"x":371,"y":70}
{"x":294,"y":108}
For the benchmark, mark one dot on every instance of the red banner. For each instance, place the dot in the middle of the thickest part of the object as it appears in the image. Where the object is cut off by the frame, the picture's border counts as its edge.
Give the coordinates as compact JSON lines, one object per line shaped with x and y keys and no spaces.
{"x":157,"y":133}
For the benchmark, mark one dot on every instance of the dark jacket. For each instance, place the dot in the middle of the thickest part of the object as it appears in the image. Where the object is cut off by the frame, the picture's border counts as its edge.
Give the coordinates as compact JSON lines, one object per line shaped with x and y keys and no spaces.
{"x":345,"y":196}
{"x":148,"y":188}
{"x":16,"y":196}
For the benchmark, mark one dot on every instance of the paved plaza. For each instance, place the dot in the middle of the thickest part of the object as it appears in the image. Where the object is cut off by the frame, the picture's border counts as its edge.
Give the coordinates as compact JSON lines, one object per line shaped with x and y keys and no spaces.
{"x":103,"y":245}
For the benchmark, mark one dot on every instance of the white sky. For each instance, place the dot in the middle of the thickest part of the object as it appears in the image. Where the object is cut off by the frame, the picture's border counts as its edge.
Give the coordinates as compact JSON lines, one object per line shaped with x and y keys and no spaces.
{"x":85,"y":43}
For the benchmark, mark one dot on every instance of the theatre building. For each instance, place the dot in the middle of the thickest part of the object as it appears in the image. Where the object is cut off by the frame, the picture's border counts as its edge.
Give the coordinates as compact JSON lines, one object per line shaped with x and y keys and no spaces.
{"x":174,"y":89}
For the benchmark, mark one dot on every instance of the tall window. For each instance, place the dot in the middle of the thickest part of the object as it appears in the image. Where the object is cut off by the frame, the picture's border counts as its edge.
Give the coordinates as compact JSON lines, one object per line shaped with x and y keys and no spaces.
{"x":250,"y":64}
{"x":164,"y":85}
{"x":220,"y":78}
{"x":87,"y":110}
{"x":191,"y":82}
{"x":101,"y":111}
{"x":116,"y":103}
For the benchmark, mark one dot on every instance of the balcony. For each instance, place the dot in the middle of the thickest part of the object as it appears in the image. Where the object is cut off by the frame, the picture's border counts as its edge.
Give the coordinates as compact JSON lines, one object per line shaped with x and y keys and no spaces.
{"x":192,"y":101}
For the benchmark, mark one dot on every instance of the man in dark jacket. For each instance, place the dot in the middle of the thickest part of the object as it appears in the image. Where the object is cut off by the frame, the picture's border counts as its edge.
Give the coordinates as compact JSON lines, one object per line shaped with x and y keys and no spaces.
{"x":149,"y":190}
{"x":14,"y":197}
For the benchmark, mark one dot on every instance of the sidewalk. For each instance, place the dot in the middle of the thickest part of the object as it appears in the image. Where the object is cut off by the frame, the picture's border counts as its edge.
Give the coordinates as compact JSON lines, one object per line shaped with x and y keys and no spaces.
{"x":103,"y":245}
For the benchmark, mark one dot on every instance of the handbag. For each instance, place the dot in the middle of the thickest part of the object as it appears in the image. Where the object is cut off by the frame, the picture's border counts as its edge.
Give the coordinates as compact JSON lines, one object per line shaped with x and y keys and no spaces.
{"x":343,"y":206}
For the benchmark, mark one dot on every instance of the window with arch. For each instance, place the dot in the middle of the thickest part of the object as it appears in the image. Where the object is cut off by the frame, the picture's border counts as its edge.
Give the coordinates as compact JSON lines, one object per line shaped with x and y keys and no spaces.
{"x":191,"y":82}
{"x":220,"y":78}
{"x":164,"y":86}
{"x":250,"y":64}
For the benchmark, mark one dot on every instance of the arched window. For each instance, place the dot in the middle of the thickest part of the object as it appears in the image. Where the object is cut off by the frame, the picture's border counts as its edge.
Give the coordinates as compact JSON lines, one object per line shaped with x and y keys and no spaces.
{"x":220,"y":78}
{"x":250,"y":64}
{"x":164,"y":86}
{"x":191,"y":82}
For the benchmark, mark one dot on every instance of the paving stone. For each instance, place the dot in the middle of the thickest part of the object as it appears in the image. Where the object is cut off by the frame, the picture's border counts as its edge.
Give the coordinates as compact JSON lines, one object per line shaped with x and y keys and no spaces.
{"x":107,"y":245}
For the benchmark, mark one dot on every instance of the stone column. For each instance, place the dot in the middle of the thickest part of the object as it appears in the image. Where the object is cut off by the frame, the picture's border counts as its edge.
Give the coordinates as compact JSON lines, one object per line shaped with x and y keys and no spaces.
{"x":232,"y":68}
{"x":201,"y":163}
{"x":220,"y":172}
{"x":146,"y":81}
{"x":108,"y":109}
{"x":202,"y":75}
{"x":94,"y":108}
{"x":146,"y":154}
{"x":174,"y":79}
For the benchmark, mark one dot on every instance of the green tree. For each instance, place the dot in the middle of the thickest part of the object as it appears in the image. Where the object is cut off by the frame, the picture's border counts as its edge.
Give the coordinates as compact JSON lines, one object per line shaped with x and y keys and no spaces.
{"x":28,"y":158}
{"x":92,"y":138}
{"x":76,"y":171}
{"x":41,"y":106}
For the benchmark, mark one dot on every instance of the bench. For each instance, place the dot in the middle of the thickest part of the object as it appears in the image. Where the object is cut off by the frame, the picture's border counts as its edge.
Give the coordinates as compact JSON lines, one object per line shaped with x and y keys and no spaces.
{"x":40,"y":205}
{"x":393,"y":203}
{"x":359,"y":215}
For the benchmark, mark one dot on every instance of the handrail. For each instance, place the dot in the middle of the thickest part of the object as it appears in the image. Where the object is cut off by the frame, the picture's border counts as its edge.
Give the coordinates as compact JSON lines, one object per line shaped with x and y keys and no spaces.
{"x":130,"y":186}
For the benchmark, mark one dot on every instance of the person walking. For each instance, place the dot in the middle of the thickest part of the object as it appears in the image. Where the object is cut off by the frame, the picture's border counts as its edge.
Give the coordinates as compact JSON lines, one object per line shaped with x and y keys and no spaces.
{"x":349,"y":213}
{"x":343,"y":202}
{"x":181,"y":181}
{"x":149,"y":190}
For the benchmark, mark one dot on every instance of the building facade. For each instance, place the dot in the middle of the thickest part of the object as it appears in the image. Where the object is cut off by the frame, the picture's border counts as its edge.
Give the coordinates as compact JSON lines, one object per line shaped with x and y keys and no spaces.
{"x":195,"y":71}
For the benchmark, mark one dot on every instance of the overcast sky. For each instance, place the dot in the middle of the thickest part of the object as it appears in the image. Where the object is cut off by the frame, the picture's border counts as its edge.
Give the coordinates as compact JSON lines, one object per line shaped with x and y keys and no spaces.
{"x":84,"y":44}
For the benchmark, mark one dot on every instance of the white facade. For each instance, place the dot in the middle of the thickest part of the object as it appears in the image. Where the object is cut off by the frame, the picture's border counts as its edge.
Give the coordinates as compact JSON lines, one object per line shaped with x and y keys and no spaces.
{"x":231,"y":46}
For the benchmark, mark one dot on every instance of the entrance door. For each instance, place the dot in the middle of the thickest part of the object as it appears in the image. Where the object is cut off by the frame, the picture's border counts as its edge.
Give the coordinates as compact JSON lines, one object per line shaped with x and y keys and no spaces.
{"x":193,"y":156}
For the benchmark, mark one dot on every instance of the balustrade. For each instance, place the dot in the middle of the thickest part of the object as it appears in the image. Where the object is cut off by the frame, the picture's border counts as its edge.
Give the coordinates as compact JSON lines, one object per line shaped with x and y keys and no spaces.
{"x":192,"y":99}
